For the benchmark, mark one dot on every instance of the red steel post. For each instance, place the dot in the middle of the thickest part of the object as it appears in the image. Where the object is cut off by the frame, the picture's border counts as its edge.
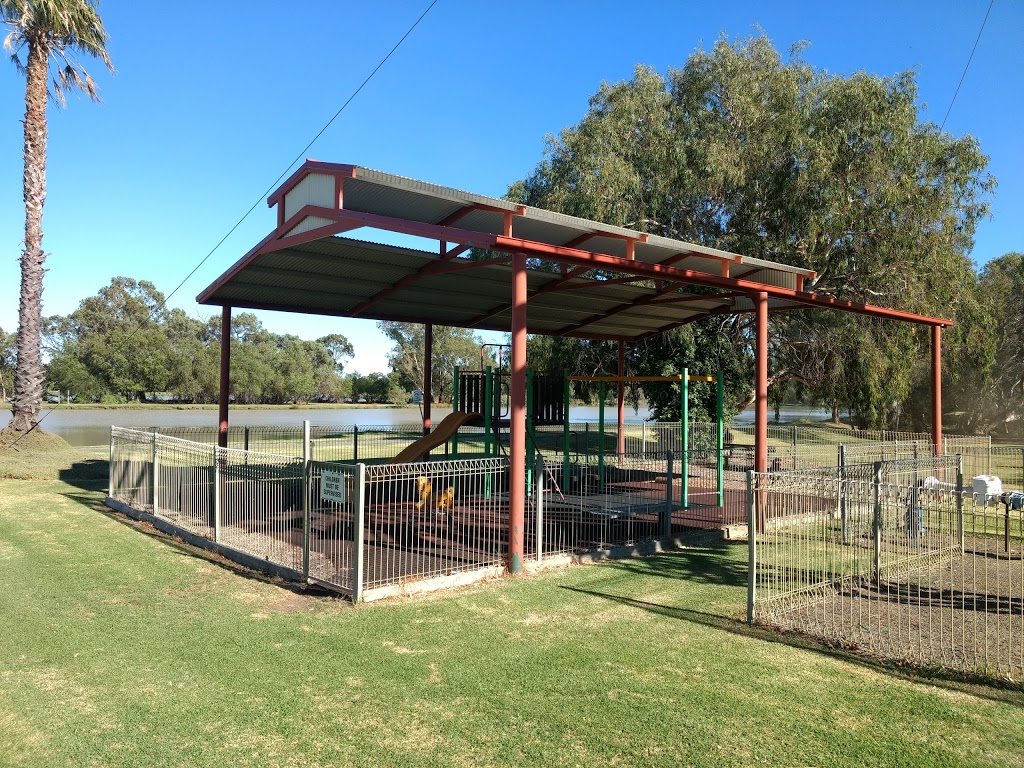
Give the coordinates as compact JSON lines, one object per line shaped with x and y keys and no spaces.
{"x":760,"y":401}
{"x":761,"y":384}
{"x":517,"y":447}
{"x":937,"y":387}
{"x":622,"y":401}
{"x":225,"y":376}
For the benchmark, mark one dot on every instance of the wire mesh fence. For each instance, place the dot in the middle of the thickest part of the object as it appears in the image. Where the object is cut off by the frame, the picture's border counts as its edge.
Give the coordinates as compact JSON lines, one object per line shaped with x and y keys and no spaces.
{"x":899,"y":558}
{"x":603,"y":502}
{"x":839,"y":545}
{"x":334,"y":540}
{"x":353,"y":527}
{"x":434,"y":518}
{"x":261,"y":507}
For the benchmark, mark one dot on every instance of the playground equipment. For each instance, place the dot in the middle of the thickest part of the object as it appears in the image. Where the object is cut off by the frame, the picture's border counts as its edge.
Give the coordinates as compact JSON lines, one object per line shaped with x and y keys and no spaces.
{"x":441,"y":434}
{"x":684,"y":378}
{"x":547,"y":404}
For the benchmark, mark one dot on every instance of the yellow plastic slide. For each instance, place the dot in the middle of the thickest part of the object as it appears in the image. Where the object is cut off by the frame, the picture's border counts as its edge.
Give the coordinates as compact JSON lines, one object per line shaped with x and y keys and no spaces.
{"x":449,"y":425}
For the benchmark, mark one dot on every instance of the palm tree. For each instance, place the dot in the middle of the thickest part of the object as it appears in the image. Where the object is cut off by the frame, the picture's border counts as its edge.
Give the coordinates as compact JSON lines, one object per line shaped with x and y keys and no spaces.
{"x":50,"y":33}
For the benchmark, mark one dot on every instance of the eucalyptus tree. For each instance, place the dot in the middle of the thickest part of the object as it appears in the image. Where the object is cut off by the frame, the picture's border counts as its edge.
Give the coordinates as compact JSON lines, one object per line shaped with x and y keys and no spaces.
{"x":44,"y":39}
{"x":1001,"y":286}
{"x":451,"y":347}
{"x":743,"y":150}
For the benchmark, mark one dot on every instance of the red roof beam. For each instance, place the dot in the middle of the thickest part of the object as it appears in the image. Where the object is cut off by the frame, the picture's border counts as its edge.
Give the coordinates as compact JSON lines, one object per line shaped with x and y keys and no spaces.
{"x":445,"y":264}
{"x":613,"y":263}
{"x":465,"y":210}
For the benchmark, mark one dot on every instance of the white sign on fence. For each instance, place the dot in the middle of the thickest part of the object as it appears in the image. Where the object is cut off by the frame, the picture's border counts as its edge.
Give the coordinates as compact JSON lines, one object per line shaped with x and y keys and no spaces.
{"x":332,"y":486}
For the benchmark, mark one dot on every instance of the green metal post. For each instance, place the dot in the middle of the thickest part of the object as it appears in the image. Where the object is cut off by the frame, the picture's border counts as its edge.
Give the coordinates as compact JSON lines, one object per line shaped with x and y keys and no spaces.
{"x":566,"y":390}
{"x":684,"y":469}
{"x":600,"y":437}
{"x":455,"y":407}
{"x":720,"y":440}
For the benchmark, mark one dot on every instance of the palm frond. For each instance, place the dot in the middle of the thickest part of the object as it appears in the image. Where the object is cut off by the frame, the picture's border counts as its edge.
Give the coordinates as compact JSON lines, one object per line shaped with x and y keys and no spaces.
{"x":65,"y":28}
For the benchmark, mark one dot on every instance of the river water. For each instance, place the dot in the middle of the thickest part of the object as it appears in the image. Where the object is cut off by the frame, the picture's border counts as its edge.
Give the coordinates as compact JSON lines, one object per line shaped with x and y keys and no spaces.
{"x":86,"y":426}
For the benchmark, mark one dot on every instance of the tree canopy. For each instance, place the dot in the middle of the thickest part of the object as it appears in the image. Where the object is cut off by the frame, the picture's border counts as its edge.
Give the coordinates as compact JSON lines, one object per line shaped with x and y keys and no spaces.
{"x":451,"y":347}
{"x":123,"y":344}
{"x":744,"y":150}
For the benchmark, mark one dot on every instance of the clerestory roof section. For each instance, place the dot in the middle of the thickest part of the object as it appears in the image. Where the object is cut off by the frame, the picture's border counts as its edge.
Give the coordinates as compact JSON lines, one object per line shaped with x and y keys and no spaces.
{"x":585,"y":279}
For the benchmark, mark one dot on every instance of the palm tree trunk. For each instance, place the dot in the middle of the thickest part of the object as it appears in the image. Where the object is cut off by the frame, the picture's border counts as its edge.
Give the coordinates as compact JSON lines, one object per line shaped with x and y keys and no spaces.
{"x":28,"y":372}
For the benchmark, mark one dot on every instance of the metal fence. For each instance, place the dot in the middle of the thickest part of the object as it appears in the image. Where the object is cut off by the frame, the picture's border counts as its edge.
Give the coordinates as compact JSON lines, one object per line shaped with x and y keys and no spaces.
{"x":898,"y":558}
{"x":345,"y":443}
{"x":352,"y":527}
{"x":603,"y":502}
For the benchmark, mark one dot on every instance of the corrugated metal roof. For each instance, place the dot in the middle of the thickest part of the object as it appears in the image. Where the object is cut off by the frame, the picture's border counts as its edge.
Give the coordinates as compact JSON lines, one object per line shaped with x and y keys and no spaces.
{"x":334,"y":275}
{"x":322,"y":272}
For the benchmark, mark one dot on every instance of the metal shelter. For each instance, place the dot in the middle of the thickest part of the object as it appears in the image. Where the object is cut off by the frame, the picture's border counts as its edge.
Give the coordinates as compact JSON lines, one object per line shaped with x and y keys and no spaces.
{"x":491,"y":264}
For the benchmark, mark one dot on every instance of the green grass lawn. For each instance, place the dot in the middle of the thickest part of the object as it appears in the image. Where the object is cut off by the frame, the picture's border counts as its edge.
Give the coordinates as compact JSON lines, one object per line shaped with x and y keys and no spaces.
{"x":122,"y":647}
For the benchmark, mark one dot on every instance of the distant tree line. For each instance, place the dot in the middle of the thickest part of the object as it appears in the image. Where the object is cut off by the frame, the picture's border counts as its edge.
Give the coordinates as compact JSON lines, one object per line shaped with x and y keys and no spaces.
{"x":124,"y":345}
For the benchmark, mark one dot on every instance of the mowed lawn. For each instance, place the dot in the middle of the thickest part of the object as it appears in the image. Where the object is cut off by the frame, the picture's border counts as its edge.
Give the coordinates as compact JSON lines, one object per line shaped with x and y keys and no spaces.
{"x":121,"y":647}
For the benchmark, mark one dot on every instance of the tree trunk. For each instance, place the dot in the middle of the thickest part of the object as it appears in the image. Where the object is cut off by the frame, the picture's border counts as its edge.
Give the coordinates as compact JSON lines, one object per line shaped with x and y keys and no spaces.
{"x":28,"y":372}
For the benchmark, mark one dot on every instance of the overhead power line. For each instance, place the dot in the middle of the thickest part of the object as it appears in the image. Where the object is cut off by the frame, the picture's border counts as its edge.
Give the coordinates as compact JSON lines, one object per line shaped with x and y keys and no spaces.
{"x":302,"y":153}
{"x":262,"y":197}
{"x":967,"y":66}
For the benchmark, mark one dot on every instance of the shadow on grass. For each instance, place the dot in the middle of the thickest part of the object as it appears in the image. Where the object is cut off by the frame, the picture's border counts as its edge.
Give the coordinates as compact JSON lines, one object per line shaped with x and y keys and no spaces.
{"x":88,"y":474}
{"x":706,"y":565}
{"x":93,"y":500}
{"x":981,"y":687}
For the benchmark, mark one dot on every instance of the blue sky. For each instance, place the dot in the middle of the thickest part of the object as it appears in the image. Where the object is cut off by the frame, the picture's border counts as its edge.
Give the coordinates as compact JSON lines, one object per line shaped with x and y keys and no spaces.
{"x":212,"y":101}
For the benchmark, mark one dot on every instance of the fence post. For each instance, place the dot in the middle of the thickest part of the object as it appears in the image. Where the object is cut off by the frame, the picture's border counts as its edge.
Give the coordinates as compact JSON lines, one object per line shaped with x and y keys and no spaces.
{"x":751,"y":548}
{"x":600,"y":436}
{"x":110,"y":467}
{"x":538,"y":474}
{"x":666,"y":517}
{"x":960,"y":502}
{"x":843,"y":517}
{"x":684,"y":463}
{"x":794,"y":446}
{"x":643,"y":439}
{"x":245,"y":439}
{"x":358,"y":534}
{"x":877,"y":521}
{"x":155,"y":475}
{"x":307,"y":456}
{"x":355,"y":443}
{"x":216,"y":493}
